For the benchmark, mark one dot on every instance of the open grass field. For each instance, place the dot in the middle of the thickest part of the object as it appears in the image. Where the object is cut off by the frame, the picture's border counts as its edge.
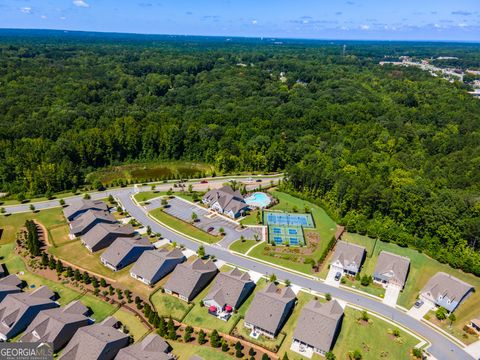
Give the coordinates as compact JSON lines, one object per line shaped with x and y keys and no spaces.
{"x":242,"y":246}
{"x":324,"y":229}
{"x":11,"y":224}
{"x":101,"y":309}
{"x":372,"y":340}
{"x":145,"y":196}
{"x":422,"y":268}
{"x":183,"y":227}
{"x":185,"y":351}
{"x":135,"y":327}
{"x":168,"y":305}
{"x":151,"y":171}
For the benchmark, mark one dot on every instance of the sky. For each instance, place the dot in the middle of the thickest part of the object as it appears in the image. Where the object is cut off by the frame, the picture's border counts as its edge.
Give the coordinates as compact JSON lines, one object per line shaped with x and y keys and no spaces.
{"x":439,"y":20}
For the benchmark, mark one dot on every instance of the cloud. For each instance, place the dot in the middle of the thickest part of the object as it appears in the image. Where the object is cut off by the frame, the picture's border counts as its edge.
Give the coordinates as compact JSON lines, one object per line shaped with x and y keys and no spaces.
{"x":145,"y":5}
{"x":43,"y":17}
{"x":463,"y":13}
{"x":364,"y":27}
{"x":188,"y":13}
{"x":63,"y":18}
{"x":338,"y":13}
{"x":350,"y":3}
{"x":26,"y":10}
{"x":80,"y":3}
{"x":254,"y":22}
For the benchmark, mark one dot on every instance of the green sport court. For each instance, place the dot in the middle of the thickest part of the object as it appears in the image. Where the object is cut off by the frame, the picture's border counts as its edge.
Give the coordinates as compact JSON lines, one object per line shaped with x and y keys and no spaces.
{"x":287,"y":228}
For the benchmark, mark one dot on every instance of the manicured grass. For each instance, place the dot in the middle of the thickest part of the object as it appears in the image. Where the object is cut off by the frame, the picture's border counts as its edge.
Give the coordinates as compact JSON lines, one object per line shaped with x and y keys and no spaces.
{"x":372,"y":340}
{"x":168,"y":305}
{"x":242,"y":246}
{"x":422,"y":268}
{"x":251,"y":219}
{"x":58,"y":235}
{"x":185,"y":351}
{"x":36,"y":199}
{"x":263,"y":341}
{"x":136,"y":328}
{"x":183,"y":227}
{"x":148,"y":195}
{"x":101,"y":309}
{"x":325,"y":227}
{"x":11,"y":224}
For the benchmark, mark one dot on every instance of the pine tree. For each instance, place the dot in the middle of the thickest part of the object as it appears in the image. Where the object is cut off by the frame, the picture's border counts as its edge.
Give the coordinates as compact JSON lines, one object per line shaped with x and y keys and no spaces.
{"x":162,"y":326}
{"x":172,"y":333}
{"x":202,"y":337}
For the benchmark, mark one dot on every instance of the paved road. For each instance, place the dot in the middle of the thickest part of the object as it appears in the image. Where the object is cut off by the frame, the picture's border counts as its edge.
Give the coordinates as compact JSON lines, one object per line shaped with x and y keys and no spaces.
{"x":442,"y":348}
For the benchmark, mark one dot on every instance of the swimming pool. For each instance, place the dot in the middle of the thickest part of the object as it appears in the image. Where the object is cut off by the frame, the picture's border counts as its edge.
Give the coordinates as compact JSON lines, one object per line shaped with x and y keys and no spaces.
{"x":258,"y":199}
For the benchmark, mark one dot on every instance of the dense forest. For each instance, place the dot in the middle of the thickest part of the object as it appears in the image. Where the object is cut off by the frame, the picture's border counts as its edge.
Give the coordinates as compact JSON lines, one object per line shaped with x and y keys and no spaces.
{"x":391,"y":152}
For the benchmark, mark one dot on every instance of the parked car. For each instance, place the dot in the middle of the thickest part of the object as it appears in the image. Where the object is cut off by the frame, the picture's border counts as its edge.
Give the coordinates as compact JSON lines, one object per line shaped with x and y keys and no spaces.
{"x":204,"y":182}
{"x":258,"y":180}
{"x":418,"y":303}
{"x":338,"y":275}
{"x":210,"y":229}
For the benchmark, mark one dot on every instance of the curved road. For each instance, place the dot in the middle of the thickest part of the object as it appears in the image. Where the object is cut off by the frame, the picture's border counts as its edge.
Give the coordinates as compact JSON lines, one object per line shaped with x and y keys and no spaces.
{"x":441,"y":347}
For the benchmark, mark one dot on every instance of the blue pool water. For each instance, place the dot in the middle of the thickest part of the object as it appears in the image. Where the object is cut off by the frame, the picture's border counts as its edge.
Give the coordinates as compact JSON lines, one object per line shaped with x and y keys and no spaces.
{"x":278,"y":240}
{"x":292,"y":232}
{"x":258,"y":199}
{"x":277,"y":230}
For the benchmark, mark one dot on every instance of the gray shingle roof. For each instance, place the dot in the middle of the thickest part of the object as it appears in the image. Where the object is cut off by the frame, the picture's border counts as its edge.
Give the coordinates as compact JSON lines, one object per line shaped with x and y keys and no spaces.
{"x":228,"y":199}
{"x":83,"y":205}
{"x":50,"y":324}
{"x":122,"y":247}
{"x":9,"y":284}
{"x":90,"y":342}
{"x":82,"y":222}
{"x":268,"y":306}
{"x":151,"y":347}
{"x":317,"y":323}
{"x":152,"y":260}
{"x":447,"y":286}
{"x":101,"y":231}
{"x":228,"y":287}
{"x":185,"y":279}
{"x":396,"y":265}
{"x":348,"y":253}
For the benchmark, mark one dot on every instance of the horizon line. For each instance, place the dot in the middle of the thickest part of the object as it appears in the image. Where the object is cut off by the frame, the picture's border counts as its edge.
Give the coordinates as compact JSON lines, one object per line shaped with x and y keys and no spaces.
{"x":242,"y":37}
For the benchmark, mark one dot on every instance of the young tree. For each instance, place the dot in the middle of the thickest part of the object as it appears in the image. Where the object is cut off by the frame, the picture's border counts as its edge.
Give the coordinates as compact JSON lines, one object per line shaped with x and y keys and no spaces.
{"x":149,"y":230}
{"x":103,"y":282}
{"x":215,"y":339}
{"x":162,"y":326}
{"x":172,"y":333}
{"x":202,"y":337}
{"x":201,"y":251}
{"x":288,"y":283}
{"x":328,"y":296}
{"x":285,"y":356}
{"x":187,"y":335}
{"x":77,"y":276}
{"x":273,"y":278}
{"x":61,"y":202}
{"x":330,"y":356}
{"x":225,"y":346}
{"x":32,"y":207}
{"x":59,"y":267}
{"x":87,"y":196}
{"x":452,"y":318}
{"x":111,"y":200}
{"x":194,"y":217}
{"x":265,"y":357}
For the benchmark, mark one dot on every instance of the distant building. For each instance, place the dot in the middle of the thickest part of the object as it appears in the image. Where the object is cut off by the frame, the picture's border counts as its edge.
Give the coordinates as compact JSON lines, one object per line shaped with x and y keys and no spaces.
{"x":391,"y":269}
{"x":269,"y":310}
{"x":226,"y":201}
{"x":57,"y":326}
{"x":103,"y":235}
{"x":317,"y":327}
{"x":475,"y":324}
{"x":189,"y":279}
{"x":100,"y":341}
{"x":445,"y":290}
{"x":19,"y":309}
{"x":72,"y":211}
{"x":151,"y":347}
{"x":228,"y":292}
{"x":85,"y":222}
{"x":348,"y":258}
{"x":153,"y":265}
{"x":124,"y":251}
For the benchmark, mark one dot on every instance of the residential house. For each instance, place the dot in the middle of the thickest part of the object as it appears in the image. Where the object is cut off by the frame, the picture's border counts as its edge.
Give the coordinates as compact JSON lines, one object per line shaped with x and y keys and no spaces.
{"x":153,"y":265}
{"x":18,"y":310}
{"x":475,"y":324}
{"x":317,"y":327}
{"x":348,"y":258}
{"x":188,"y":279}
{"x":269,"y":310}
{"x":391,"y":269}
{"x":103,"y":235}
{"x":57,"y":326}
{"x":76,"y":209}
{"x":125,"y":251}
{"x":228,"y":292}
{"x":100,"y":341}
{"x":445,"y":290}
{"x":151,"y":347}
{"x":83,"y":223}
{"x":9,"y":285}
{"x":226,"y":201}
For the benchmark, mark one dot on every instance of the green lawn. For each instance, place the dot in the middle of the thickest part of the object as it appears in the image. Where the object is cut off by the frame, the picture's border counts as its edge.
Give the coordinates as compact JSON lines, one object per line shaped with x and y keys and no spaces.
{"x":325,"y":227}
{"x":136,"y":328}
{"x":101,"y":309}
{"x":183,"y":227}
{"x":168,"y":305}
{"x":11,"y":224}
{"x":372,"y":340}
{"x":267,"y":343}
{"x":422,"y":268}
{"x":242,"y":246}
{"x":34,"y":200}
{"x":185,"y":351}
{"x":251,"y":219}
{"x":148,"y":195}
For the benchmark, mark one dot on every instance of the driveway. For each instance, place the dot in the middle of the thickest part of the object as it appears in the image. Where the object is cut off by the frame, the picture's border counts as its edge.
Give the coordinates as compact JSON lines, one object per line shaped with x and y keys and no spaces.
{"x":391,"y":295}
{"x":330,"y":280}
{"x":474,"y":349}
{"x":419,"y":313}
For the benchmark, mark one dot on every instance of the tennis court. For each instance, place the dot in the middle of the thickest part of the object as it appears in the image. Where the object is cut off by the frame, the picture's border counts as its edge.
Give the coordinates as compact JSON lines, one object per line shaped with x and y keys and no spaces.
{"x":286,"y":235}
{"x":288,"y":219}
